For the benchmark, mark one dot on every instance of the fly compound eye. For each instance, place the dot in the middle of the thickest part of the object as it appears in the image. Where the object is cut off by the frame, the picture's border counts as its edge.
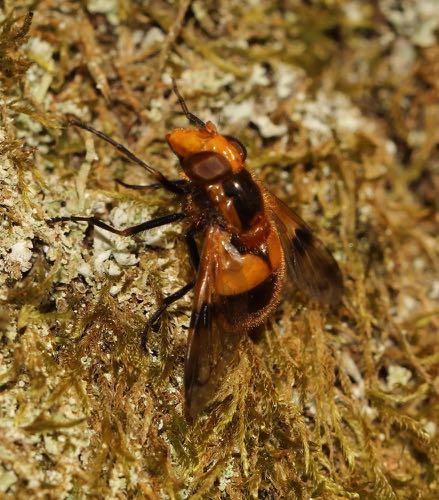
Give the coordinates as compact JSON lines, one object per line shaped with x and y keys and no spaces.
{"x":206,"y":166}
{"x":238,"y":145}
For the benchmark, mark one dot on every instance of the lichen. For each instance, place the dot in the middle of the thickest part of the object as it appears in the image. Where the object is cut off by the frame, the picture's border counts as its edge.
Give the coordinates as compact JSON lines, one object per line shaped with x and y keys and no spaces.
{"x":336,"y":103}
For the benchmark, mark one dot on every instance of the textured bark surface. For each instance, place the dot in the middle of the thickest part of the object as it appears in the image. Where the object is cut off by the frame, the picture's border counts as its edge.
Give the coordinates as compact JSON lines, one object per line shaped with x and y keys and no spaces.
{"x":337,"y":104}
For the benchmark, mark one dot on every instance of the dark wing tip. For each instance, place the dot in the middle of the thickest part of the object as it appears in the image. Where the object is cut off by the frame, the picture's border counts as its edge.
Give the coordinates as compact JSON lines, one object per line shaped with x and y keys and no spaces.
{"x":333,"y":293}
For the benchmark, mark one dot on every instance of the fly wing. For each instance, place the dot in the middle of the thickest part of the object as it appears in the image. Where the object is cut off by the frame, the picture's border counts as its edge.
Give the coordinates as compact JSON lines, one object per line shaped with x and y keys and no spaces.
{"x":312,"y":267}
{"x":211,"y":348}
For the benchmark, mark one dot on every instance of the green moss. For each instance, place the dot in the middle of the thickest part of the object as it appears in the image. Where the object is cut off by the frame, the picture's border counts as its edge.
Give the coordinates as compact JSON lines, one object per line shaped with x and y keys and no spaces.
{"x":328,"y":403}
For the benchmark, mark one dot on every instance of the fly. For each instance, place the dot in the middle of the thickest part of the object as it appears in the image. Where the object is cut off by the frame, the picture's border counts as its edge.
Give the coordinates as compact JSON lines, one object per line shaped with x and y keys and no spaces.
{"x":252,"y":243}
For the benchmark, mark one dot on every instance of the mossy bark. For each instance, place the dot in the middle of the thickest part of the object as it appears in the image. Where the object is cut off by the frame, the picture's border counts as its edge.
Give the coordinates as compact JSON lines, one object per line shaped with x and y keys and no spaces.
{"x":337,"y":104}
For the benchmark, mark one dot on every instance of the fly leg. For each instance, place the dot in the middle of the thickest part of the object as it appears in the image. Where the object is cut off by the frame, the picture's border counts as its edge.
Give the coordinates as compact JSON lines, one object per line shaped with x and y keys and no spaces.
{"x":161,"y":179}
{"x":156,"y":185}
{"x":150,"y":224}
{"x":194,"y":255}
{"x":167,"y":301}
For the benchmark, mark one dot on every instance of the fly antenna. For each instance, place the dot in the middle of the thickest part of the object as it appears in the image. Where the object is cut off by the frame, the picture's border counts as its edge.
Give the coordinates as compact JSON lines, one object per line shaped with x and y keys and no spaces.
{"x":198,"y":122}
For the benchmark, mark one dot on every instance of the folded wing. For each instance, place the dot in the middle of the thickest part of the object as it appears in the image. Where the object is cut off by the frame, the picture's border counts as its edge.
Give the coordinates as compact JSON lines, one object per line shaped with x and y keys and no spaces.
{"x":236,"y":290}
{"x":210,"y":347}
{"x":312,"y":267}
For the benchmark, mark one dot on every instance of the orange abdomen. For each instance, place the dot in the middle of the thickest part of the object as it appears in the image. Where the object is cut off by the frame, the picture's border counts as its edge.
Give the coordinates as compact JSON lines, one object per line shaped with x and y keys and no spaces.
{"x":241,"y":272}
{"x":248,"y":283}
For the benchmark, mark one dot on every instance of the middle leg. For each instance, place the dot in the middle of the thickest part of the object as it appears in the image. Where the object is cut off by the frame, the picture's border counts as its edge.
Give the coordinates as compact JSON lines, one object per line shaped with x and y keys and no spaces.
{"x":150,"y":224}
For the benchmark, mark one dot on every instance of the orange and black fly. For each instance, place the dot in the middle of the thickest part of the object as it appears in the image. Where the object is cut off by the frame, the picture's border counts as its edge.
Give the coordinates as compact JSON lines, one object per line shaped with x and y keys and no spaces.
{"x":250,"y":243}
